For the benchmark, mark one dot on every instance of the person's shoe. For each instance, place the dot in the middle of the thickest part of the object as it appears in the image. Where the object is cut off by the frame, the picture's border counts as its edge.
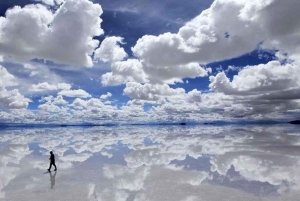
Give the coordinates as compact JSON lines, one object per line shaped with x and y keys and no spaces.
{"x":55,"y":169}
{"x":48,"y":170}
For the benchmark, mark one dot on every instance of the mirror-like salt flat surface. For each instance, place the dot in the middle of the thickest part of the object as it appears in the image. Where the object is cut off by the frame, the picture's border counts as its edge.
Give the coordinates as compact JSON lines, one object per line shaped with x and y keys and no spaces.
{"x":152,"y":163}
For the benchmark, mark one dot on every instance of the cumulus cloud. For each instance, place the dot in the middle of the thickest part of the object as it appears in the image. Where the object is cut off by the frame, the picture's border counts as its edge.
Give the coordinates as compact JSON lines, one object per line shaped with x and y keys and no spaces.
{"x":133,"y":70}
{"x":49,"y":107}
{"x":59,"y":100}
{"x":149,"y":91}
{"x":226,"y":30}
{"x":262,"y":88}
{"x":174,"y":73}
{"x":11,"y":99}
{"x":194,"y":96}
{"x":93,"y":102}
{"x":35,"y":32}
{"x":130,"y":70}
{"x":7,"y":79}
{"x":204,"y":40}
{"x":77,"y":93}
{"x":260,"y":79}
{"x":106,"y":96}
{"x":209,"y":37}
{"x":46,"y":87}
{"x":94,"y":110}
{"x":110,"y":50}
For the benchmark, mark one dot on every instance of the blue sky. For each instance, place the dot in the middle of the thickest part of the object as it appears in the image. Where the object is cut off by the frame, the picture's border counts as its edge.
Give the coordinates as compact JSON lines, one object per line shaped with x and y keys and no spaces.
{"x":123,"y":61}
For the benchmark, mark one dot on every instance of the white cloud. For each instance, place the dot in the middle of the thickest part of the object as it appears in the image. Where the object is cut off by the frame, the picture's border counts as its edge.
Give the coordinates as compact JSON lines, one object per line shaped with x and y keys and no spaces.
{"x":106,"y":96}
{"x":173,"y":73}
{"x":35,"y":32}
{"x":149,"y":91}
{"x":260,"y":79}
{"x":203,"y":38}
{"x":49,"y":107}
{"x":228,"y":29}
{"x":59,"y":100}
{"x":225,"y":30}
{"x":261,"y":89}
{"x":46,"y":87}
{"x":93,"y":102}
{"x":11,"y":99}
{"x":7,"y":79}
{"x":78,"y":93}
{"x":209,"y":37}
{"x":130,"y":70}
{"x":79,"y":103}
{"x":110,"y":50}
{"x":194,"y":96}
{"x":109,"y":79}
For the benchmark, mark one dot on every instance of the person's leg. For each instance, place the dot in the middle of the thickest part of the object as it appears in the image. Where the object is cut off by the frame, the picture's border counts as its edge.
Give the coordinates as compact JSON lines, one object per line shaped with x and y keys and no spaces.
{"x":50,"y":166}
{"x":54,"y":166}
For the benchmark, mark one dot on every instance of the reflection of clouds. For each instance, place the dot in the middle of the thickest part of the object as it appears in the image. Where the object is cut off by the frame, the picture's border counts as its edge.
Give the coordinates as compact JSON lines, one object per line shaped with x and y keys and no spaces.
{"x":13,"y":153}
{"x":266,"y":155}
{"x":142,"y":180}
{"x":59,"y":151}
{"x":203,"y":192}
{"x":10,"y":156}
{"x":105,"y":153}
{"x":76,"y":157}
{"x":40,"y":164}
{"x":49,"y":144}
{"x":274,"y":169}
{"x":125,"y":178}
{"x":148,"y":170}
{"x":163,"y":184}
{"x":6,"y":175}
{"x":113,"y":195}
{"x":151,"y":156}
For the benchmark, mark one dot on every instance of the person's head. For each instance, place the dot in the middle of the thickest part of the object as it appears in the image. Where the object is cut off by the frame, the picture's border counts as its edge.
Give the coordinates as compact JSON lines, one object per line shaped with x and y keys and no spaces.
{"x":51,"y":152}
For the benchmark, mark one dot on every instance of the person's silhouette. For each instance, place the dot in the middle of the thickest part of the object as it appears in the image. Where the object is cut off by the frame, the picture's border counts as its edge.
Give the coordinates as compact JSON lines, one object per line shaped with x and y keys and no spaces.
{"x":52,"y":161}
{"x":52,"y":179}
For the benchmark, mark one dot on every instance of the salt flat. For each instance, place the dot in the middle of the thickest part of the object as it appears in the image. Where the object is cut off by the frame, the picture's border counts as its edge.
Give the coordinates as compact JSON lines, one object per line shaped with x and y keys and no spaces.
{"x":155,"y":163}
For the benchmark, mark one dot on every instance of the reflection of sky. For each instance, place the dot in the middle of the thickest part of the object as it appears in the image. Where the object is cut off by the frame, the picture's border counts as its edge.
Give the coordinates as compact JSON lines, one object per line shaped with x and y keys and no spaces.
{"x":151,"y":163}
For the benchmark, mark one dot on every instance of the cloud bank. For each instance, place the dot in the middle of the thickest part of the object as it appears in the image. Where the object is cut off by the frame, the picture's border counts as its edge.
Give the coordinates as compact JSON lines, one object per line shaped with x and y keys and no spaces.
{"x":67,"y":32}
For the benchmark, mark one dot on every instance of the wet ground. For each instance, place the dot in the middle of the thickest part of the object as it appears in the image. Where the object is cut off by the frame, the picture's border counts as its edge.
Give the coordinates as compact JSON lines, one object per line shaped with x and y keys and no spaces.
{"x":152,"y":163}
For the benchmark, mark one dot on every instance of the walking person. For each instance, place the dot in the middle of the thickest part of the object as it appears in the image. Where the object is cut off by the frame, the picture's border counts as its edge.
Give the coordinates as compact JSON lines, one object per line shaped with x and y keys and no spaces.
{"x":52,"y":161}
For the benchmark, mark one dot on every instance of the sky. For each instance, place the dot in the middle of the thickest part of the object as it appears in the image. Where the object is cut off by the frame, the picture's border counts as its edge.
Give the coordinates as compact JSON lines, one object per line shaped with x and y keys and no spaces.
{"x":79,"y":61}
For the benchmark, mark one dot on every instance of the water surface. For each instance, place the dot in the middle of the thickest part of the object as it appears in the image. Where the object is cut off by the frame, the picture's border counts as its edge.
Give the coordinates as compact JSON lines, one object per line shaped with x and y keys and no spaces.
{"x":152,"y":163}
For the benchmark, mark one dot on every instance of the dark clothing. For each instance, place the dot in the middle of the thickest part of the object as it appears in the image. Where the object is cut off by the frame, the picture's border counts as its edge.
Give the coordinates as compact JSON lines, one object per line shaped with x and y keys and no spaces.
{"x":52,"y":158}
{"x":52,"y":161}
{"x":51,"y":166}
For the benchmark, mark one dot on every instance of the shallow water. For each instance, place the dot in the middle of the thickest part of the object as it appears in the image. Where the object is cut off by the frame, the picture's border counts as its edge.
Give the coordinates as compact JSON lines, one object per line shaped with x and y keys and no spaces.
{"x":158,"y":163}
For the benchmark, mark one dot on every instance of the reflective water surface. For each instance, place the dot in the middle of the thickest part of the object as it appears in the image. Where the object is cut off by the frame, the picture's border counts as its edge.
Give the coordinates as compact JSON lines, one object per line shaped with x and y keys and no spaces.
{"x":144,"y":163}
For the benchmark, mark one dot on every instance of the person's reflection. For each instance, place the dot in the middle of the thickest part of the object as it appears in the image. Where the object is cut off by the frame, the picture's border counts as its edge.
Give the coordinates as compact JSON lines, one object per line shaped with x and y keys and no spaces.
{"x":52,"y":179}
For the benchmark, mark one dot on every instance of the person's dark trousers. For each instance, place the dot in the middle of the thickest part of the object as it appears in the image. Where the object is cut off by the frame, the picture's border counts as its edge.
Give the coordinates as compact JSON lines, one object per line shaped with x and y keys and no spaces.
{"x":52,"y":163}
